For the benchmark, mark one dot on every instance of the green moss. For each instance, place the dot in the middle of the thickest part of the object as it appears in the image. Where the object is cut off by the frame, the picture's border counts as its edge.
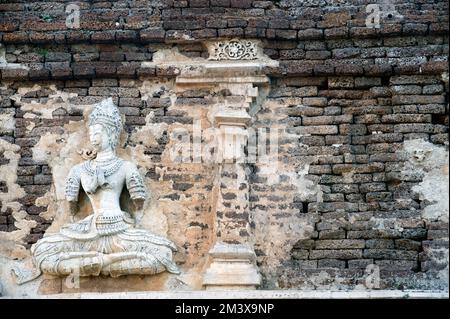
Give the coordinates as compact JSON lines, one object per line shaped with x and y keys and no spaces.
{"x":46,"y":17}
{"x":42,"y":52}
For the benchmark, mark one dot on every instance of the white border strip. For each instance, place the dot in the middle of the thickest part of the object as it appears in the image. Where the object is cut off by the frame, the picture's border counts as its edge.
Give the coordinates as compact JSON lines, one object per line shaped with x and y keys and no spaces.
{"x":260,"y":294}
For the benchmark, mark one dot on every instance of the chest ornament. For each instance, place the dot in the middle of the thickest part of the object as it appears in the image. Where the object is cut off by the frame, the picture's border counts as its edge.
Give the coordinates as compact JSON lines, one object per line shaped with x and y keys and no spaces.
{"x":98,"y":172}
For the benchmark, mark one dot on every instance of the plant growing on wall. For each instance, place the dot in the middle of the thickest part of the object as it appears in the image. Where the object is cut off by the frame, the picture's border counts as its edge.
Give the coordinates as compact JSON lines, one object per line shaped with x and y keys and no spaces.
{"x":42,"y":52}
{"x":46,"y":17}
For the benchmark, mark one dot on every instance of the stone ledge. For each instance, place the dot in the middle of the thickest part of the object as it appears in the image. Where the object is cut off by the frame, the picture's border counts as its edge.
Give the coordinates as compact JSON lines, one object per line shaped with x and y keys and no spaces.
{"x":160,"y":35}
{"x":261,"y":294}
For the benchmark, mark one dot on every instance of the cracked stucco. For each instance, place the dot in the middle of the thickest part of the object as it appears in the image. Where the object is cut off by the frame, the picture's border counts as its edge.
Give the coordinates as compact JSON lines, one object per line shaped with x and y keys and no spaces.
{"x":12,"y":242}
{"x":294,"y":172}
{"x":58,"y":99}
{"x":432,"y":162}
{"x":12,"y":247}
{"x":161,"y":215}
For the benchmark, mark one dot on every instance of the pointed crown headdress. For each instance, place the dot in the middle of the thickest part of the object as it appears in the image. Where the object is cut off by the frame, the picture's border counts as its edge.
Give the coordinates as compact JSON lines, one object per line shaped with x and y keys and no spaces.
{"x":107,"y":114}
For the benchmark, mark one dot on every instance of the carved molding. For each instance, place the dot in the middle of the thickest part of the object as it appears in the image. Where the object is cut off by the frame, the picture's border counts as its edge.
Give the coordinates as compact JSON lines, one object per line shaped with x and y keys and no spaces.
{"x":233,"y":118}
{"x":233,"y":50}
{"x":231,"y":61}
{"x":233,"y":267}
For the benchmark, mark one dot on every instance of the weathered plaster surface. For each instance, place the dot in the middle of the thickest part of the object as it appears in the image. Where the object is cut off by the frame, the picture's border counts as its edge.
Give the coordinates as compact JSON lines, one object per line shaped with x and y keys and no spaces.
{"x":431,"y":162}
{"x":184,"y":195}
{"x":9,"y":201}
{"x":7,"y":122}
{"x":5,"y":64}
{"x":12,"y":249}
{"x":287,"y":177}
{"x":162,"y":214}
{"x":55,"y":101}
{"x":184,"y":211}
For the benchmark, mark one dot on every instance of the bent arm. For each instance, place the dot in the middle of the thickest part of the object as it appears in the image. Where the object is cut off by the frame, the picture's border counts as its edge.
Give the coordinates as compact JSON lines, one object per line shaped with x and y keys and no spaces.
{"x":72,"y":189}
{"x":135,"y":184}
{"x":136,"y":187}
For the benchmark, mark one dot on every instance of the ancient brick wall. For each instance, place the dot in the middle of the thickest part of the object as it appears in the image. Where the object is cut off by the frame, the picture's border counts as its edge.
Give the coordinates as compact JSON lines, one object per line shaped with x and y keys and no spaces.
{"x":361,"y":112}
{"x":351,"y":196}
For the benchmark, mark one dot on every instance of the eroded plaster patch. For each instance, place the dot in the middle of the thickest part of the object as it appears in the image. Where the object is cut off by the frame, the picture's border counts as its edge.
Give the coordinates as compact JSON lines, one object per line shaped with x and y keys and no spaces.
{"x":60,"y":153}
{"x":12,"y":242}
{"x":9,"y":288}
{"x":7,"y":122}
{"x":12,"y":248}
{"x":157,"y":88}
{"x":58,"y":99}
{"x":432,"y":162}
{"x":5,"y":65}
{"x":149,"y":134}
{"x":161,"y":214}
{"x":291,"y":175}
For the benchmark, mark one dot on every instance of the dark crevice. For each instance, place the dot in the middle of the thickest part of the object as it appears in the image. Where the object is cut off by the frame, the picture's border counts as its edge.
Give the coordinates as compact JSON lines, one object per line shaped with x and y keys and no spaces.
{"x":385,"y":80}
{"x":305,"y":207}
{"x":439,"y":119}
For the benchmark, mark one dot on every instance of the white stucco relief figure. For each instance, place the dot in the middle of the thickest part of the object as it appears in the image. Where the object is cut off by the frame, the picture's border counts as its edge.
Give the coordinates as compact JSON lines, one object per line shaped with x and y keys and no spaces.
{"x":106,"y":241}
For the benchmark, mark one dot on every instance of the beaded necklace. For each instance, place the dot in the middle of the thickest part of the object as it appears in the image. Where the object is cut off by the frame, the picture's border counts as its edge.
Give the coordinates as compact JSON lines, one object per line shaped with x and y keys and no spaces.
{"x":109,"y":167}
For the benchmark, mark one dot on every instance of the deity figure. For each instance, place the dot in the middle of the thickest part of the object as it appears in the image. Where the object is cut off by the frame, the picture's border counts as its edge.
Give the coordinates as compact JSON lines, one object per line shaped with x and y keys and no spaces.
{"x":106,"y":242}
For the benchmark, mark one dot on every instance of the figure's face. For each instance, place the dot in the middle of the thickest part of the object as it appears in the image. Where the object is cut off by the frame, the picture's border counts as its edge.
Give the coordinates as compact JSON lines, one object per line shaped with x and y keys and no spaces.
{"x":99,"y":137}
